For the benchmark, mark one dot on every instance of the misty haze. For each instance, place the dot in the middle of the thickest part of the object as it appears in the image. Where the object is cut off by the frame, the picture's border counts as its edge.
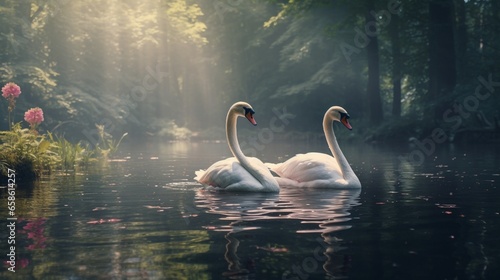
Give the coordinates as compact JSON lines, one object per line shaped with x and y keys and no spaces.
{"x":249,"y":139}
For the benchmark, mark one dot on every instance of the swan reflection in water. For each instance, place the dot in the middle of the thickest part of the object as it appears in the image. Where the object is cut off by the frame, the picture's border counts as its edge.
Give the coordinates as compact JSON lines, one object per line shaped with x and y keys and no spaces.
{"x":317,"y":211}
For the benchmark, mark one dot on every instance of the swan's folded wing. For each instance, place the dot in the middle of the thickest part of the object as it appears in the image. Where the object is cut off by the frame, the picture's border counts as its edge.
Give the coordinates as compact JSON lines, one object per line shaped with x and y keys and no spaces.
{"x":227,"y":173}
{"x":216,"y":174}
{"x":309,"y":167}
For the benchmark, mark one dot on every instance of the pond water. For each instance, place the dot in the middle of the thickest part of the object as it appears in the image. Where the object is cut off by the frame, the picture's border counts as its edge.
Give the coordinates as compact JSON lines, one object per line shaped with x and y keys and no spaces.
{"x":142,"y":216}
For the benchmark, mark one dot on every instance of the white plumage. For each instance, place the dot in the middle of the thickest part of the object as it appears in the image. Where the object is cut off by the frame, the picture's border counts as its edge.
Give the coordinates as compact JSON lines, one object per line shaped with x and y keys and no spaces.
{"x":317,"y":170}
{"x":238,"y":173}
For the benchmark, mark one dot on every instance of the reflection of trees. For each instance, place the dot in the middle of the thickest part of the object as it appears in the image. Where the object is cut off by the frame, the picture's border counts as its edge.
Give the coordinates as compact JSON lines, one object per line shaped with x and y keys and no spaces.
{"x":37,"y":200}
{"x":56,"y":239}
{"x":318,"y":211}
{"x":139,"y":245}
{"x":36,"y":204}
{"x":440,"y":209}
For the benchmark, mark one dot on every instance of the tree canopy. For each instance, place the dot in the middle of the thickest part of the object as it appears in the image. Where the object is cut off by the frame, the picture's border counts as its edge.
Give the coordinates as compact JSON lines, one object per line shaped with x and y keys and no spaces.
{"x":171,"y":67}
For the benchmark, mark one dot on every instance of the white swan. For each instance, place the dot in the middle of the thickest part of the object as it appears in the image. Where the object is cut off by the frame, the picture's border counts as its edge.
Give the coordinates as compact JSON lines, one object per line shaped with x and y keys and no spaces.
{"x":317,"y":170}
{"x":238,"y":173}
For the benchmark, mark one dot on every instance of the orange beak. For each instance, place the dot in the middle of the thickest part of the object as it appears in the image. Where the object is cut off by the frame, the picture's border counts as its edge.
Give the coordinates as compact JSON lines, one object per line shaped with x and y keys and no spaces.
{"x":345,"y":122}
{"x":249,"y":116}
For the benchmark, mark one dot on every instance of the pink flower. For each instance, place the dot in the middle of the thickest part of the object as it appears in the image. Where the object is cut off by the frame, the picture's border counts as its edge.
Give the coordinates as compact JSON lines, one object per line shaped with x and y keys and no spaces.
{"x":11,"y":91}
{"x":23,"y":263}
{"x":34,"y":116}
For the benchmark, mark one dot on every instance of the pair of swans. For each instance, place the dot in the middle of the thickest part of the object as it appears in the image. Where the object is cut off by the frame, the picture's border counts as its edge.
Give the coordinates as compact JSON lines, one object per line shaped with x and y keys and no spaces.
{"x":312,"y":170}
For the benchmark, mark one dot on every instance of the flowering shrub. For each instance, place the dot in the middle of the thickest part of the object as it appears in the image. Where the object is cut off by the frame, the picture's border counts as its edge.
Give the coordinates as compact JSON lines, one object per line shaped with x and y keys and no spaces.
{"x":11,"y":91}
{"x":34,"y":117}
{"x":26,"y":152}
{"x":30,"y":153}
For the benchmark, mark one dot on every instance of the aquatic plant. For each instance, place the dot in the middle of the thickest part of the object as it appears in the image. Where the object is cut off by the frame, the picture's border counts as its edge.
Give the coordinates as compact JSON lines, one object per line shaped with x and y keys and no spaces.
{"x":31,"y":153}
{"x":68,"y":153}
{"x":71,"y":155}
{"x":26,"y":152}
{"x":107,"y":145}
{"x":23,"y":149}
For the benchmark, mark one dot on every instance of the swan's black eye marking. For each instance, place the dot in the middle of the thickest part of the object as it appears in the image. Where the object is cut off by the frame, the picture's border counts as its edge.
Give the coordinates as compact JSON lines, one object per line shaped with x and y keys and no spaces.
{"x":342,"y":115}
{"x":248,"y":110}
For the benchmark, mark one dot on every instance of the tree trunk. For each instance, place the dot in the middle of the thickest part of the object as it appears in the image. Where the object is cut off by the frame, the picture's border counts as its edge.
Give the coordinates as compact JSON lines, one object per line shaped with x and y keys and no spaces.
{"x":442,"y":63}
{"x":396,"y":66}
{"x":373,"y":88}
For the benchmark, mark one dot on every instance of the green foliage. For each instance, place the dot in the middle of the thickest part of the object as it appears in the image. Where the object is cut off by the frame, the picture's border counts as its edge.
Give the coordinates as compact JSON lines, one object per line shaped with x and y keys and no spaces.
{"x":107,"y":145}
{"x":132,"y":63}
{"x":70,"y":155}
{"x":183,"y":19}
{"x":31,"y":153}
{"x":23,"y":46}
{"x":26,"y":151}
{"x":293,"y":7}
{"x":168,"y":129}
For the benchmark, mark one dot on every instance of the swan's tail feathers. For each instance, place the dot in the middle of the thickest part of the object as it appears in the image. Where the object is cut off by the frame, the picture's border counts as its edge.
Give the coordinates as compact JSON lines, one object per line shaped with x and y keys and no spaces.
{"x":199,"y":174}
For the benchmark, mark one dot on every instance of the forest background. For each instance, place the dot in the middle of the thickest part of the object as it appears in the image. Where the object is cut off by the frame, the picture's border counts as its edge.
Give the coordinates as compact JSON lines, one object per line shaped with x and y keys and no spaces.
{"x":171,"y":68}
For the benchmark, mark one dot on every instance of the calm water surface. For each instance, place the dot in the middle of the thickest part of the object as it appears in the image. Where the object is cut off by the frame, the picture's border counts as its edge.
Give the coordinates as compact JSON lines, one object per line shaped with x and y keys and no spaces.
{"x":143,"y":217}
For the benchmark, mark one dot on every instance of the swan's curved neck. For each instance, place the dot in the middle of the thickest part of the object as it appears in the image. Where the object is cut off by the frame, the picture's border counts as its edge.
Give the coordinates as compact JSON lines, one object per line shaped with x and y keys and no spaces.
{"x":346,"y":169}
{"x":234,"y":146}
